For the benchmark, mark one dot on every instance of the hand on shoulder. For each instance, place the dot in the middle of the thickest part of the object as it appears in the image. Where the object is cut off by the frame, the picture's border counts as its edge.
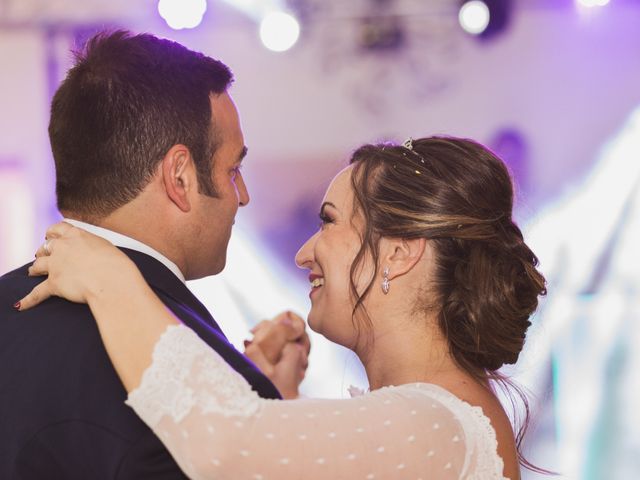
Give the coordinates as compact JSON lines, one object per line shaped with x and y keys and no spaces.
{"x":78,"y":266}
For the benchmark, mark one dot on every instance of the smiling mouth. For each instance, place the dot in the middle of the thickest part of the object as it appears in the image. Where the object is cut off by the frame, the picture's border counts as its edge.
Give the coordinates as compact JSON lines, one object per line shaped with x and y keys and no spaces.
{"x":317,"y":282}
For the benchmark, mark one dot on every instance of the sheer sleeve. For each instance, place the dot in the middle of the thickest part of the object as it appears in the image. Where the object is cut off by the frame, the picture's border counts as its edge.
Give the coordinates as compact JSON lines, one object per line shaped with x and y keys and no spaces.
{"x":216,"y":427}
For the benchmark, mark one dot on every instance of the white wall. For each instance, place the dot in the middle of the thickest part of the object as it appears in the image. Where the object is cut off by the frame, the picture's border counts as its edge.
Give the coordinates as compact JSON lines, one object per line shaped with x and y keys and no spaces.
{"x":24,"y":149}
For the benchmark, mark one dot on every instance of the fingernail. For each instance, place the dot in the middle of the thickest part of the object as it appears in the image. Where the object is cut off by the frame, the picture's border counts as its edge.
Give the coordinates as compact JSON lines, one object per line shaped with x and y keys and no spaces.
{"x":287,"y":319}
{"x":17,"y":305}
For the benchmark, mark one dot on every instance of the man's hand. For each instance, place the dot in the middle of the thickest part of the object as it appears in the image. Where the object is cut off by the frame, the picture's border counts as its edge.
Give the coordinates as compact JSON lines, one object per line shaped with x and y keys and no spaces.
{"x":280,"y":349}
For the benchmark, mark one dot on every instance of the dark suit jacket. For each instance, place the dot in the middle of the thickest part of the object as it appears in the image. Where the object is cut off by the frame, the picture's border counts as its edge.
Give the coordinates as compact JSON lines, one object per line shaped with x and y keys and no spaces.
{"x":62,"y":411}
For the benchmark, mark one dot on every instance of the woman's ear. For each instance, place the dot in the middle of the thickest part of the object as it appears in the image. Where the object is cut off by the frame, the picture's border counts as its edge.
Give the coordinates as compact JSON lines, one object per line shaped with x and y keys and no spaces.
{"x":178,"y":176}
{"x":400,"y":255}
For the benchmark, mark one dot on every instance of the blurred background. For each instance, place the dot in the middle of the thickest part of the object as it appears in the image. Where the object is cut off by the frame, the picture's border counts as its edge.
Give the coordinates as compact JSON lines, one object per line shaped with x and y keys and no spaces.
{"x":553,"y":86}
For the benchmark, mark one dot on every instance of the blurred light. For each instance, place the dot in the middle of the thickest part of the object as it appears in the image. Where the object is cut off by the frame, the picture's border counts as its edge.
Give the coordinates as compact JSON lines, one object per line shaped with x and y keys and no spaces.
{"x":485,"y":19}
{"x":474,"y":17}
{"x":279,"y":31}
{"x":257,"y":9}
{"x":592,"y":3}
{"x":17,"y":217}
{"x":181,"y":14}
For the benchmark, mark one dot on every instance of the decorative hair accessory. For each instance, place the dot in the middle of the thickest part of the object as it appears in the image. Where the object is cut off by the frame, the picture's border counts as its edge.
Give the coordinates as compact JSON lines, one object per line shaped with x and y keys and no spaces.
{"x":408,"y":144}
{"x":385,"y":280}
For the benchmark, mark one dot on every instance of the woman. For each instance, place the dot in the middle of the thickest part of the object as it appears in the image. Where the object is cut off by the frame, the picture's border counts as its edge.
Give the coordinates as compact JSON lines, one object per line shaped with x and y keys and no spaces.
{"x":417,"y":267}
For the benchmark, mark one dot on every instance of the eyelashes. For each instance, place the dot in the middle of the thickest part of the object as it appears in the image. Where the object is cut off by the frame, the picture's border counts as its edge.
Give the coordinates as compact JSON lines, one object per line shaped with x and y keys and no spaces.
{"x":324,"y":219}
{"x":236,"y":171}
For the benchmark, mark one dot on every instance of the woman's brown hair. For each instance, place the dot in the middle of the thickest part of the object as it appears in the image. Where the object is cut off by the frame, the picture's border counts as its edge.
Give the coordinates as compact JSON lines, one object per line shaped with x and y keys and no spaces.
{"x":458,"y":195}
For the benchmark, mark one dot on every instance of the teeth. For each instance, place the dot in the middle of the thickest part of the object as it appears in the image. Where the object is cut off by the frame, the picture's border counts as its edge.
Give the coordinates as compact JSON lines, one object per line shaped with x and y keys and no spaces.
{"x":317,"y":282}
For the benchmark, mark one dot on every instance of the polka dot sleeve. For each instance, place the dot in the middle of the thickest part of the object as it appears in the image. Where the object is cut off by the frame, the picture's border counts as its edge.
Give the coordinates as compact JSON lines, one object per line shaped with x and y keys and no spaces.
{"x":216,"y":427}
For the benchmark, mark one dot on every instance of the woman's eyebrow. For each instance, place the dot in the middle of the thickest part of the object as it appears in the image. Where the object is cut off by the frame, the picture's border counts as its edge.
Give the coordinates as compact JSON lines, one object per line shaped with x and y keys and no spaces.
{"x":327,"y":204}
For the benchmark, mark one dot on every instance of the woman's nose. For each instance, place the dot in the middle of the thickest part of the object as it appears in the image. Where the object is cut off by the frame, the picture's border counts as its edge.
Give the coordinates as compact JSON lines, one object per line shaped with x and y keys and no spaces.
{"x":304,"y":257}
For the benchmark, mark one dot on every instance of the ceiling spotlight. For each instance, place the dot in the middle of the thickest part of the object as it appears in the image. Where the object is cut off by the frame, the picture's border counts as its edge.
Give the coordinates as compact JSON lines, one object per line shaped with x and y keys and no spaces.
{"x":474,"y":17}
{"x":485,"y":18}
{"x":279,"y":31}
{"x":181,"y":14}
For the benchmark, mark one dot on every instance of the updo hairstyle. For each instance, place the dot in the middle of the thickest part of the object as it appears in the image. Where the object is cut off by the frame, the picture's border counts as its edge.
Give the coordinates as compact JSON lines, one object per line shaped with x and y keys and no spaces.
{"x":458,"y":195}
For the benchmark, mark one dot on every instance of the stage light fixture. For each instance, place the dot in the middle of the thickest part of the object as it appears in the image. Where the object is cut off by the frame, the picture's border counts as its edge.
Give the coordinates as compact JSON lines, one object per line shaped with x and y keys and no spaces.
{"x":485,"y":18}
{"x":279,"y":31}
{"x":181,"y":14}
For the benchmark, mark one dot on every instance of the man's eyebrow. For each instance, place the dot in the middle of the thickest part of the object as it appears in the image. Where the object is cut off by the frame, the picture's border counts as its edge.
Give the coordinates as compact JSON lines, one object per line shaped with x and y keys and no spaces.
{"x":243,"y":154}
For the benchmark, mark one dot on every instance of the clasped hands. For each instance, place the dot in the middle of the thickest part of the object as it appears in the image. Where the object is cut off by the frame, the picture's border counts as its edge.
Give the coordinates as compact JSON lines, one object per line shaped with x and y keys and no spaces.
{"x":280,"y":349}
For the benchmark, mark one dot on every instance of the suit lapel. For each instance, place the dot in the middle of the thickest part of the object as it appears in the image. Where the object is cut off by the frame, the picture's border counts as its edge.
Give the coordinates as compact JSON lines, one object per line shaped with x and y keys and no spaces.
{"x":177,"y":297}
{"x":163,"y":279}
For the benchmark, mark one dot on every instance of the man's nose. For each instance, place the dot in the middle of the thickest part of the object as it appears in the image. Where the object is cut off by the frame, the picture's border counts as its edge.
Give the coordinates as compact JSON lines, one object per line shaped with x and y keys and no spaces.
{"x":243,"y":194}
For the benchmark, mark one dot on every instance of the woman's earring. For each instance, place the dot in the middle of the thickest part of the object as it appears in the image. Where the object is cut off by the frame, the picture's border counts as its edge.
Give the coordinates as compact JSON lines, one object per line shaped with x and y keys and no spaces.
{"x":385,"y":280}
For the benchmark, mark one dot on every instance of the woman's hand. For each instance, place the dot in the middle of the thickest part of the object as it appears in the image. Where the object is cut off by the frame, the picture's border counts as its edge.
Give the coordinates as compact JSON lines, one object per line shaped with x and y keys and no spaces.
{"x":280,"y":349}
{"x":79,"y":266}
{"x":85,"y":268}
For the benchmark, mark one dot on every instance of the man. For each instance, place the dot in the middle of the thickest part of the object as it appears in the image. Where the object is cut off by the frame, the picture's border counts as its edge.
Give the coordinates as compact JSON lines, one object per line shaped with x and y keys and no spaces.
{"x":148,"y":147}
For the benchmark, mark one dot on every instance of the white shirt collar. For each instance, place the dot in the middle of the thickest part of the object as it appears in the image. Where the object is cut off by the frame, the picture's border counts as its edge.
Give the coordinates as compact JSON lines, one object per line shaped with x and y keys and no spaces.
{"x":120,"y":240}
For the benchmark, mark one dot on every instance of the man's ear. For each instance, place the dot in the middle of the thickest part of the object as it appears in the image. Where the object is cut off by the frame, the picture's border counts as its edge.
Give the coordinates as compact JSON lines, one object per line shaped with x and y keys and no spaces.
{"x":178,"y":176}
{"x":400,"y":255}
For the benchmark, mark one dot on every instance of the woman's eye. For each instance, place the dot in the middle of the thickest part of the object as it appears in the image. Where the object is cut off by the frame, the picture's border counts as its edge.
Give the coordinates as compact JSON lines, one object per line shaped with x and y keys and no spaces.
{"x":325,"y":219}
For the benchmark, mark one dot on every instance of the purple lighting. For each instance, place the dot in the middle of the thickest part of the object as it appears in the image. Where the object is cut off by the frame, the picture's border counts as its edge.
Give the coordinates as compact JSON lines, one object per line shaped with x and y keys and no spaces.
{"x":592,"y":3}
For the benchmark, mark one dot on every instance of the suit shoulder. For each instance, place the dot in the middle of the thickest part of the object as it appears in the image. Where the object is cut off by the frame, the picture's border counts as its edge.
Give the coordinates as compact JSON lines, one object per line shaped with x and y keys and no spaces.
{"x":53,"y":314}
{"x":18,"y":281}
{"x":15,"y":274}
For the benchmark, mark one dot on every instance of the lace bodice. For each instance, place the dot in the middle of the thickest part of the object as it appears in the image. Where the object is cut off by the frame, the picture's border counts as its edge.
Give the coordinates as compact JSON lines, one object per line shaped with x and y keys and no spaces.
{"x":216,"y":427}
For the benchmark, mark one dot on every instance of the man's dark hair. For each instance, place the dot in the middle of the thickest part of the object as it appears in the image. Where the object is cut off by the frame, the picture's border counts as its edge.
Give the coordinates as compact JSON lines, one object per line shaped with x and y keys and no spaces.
{"x":125,"y":103}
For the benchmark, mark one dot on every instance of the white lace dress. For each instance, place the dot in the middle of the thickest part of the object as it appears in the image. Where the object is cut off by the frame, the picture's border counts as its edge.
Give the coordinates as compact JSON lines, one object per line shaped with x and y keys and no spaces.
{"x":216,"y":427}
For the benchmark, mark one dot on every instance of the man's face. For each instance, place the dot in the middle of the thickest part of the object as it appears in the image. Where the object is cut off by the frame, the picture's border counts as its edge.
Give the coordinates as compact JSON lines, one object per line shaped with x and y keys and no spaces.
{"x":215,"y":216}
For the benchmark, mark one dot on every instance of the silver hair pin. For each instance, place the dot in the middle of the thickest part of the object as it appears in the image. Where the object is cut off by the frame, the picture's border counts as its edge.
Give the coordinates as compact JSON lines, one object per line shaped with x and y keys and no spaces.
{"x":408,"y":144}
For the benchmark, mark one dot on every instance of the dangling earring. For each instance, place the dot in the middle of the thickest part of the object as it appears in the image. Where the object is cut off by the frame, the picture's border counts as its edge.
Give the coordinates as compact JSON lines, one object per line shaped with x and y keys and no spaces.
{"x":385,"y":280}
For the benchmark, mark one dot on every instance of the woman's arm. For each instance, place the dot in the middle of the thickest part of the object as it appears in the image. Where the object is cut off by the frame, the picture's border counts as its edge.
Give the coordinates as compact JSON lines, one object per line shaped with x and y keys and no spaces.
{"x":215,"y":426}
{"x":129,"y":315}
{"x":131,"y":319}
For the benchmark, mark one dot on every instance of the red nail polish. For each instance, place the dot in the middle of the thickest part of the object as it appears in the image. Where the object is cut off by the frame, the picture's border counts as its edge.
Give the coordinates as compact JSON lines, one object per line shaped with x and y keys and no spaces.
{"x":16,"y":305}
